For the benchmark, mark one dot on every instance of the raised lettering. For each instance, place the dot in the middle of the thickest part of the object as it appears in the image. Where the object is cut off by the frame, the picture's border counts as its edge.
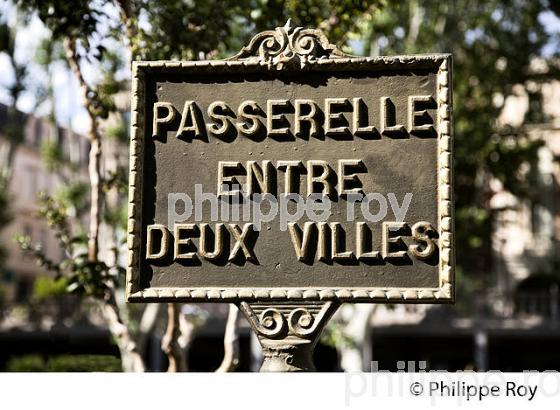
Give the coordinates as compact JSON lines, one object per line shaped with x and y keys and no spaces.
{"x":334,"y":107}
{"x":309,"y":117}
{"x":164,"y":243}
{"x":158,"y":120}
{"x":250,"y":123}
{"x":389,"y":126}
{"x":189,"y":125}
{"x":219,"y":112}
{"x":191,"y":232}
{"x":302,"y":241}
{"x":422,"y":233}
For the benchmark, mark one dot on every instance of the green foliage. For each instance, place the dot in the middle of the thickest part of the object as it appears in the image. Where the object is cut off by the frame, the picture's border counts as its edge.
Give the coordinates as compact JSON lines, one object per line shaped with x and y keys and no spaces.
{"x":109,"y":86}
{"x":5,"y":214}
{"x":335,"y":336}
{"x":11,"y":127}
{"x":117,"y":216}
{"x":36,"y":251}
{"x":6,"y":39}
{"x":90,"y":278}
{"x":493,"y":44}
{"x":118,"y":131}
{"x":337,"y":19}
{"x":45,"y":287}
{"x":52,"y":155}
{"x":83,"y":276}
{"x":49,"y":51}
{"x":117,"y":180}
{"x":27,"y":363}
{"x":208,"y":28}
{"x":73,"y":195}
{"x":181,"y":29}
{"x":81,"y":21}
{"x":64,"y":363}
{"x":78,"y":18}
{"x":84,"y":363}
{"x":55,"y":211}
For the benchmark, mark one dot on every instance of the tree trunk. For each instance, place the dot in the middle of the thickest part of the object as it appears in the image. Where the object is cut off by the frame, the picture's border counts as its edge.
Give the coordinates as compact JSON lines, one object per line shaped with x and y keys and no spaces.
{"x":127,"y":16}
{"x":147,"y":323}
{"x":94,"y":166}
{"x":178,"y":334}
{"x":170,"y":344}
{"x":95,"y":205}
{"x":187,"y":335}
{"x":131,"y":358}
{"x":357,"y":326}
{"x":231,"y":342}
{"x":415,"y":21}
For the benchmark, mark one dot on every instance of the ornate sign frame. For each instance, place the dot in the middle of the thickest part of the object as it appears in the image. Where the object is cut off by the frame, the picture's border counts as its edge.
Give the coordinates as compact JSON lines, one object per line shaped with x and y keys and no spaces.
{"x":296,"y":49}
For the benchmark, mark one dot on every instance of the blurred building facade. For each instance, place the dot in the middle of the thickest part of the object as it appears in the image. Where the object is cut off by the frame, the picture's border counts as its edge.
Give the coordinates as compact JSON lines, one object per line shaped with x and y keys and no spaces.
{"x":514,"y":322}
{"x":30,"y":176}
{"x":65,"y":325}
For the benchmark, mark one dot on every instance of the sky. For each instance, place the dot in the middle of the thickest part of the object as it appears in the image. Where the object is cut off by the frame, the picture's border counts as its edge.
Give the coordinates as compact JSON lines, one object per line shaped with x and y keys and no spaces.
{"x":68,"y":108}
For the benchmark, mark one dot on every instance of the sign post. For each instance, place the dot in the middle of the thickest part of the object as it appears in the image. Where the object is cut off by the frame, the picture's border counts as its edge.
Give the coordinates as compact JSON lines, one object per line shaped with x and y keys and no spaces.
{"x":289,"y":179}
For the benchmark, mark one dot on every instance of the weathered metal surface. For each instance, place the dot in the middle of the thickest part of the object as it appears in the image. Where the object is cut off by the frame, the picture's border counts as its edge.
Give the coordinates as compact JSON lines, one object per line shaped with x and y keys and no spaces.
{"x":386,"y":121}
{"x":288,"y":332}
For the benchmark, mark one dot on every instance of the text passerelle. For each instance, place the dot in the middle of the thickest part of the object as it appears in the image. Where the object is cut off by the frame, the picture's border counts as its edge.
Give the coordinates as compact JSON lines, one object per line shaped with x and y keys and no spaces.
{"x":283,"y":119}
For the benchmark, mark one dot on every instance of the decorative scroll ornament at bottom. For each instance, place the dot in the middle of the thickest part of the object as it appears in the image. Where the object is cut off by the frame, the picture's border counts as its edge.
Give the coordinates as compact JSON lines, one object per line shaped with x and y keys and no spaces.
{"x":288,"y":332}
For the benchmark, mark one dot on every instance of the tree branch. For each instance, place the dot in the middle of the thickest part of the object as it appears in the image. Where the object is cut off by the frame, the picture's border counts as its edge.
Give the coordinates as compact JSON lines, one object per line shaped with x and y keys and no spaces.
{"x":129,"y":20}
{"x":231,"y":342}
{"x":169,"y":342}
{"x":147,"y":324}
{"x":94,"y":166}
{"x":131,"y":357}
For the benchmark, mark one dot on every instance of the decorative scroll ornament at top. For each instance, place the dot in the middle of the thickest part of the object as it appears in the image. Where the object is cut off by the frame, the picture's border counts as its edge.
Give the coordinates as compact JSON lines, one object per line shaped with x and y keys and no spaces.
{"x":289,"y":44}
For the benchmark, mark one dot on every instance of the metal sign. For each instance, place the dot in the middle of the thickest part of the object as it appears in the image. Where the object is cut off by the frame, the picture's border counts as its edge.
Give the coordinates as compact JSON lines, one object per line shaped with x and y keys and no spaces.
{"x":291,"y":172}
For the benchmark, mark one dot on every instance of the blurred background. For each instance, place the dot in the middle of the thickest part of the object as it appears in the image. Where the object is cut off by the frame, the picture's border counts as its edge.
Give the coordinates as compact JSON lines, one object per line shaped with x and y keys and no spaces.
{"x":64,"y":123}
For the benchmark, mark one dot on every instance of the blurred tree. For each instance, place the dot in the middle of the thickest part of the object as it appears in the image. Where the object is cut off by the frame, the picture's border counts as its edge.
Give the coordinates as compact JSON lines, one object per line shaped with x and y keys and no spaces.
{"x":76,"y":25}
{"x":494,"y":45}
{"x":162,"y":29}
{"x":201,"y":29}
{"x":11,"y":127}
{"x":219,"y":28}
{"x":45,"y":287}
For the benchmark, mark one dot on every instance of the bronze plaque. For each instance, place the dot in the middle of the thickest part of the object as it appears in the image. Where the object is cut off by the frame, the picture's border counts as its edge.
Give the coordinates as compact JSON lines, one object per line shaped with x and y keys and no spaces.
{"x":292,"y":172}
